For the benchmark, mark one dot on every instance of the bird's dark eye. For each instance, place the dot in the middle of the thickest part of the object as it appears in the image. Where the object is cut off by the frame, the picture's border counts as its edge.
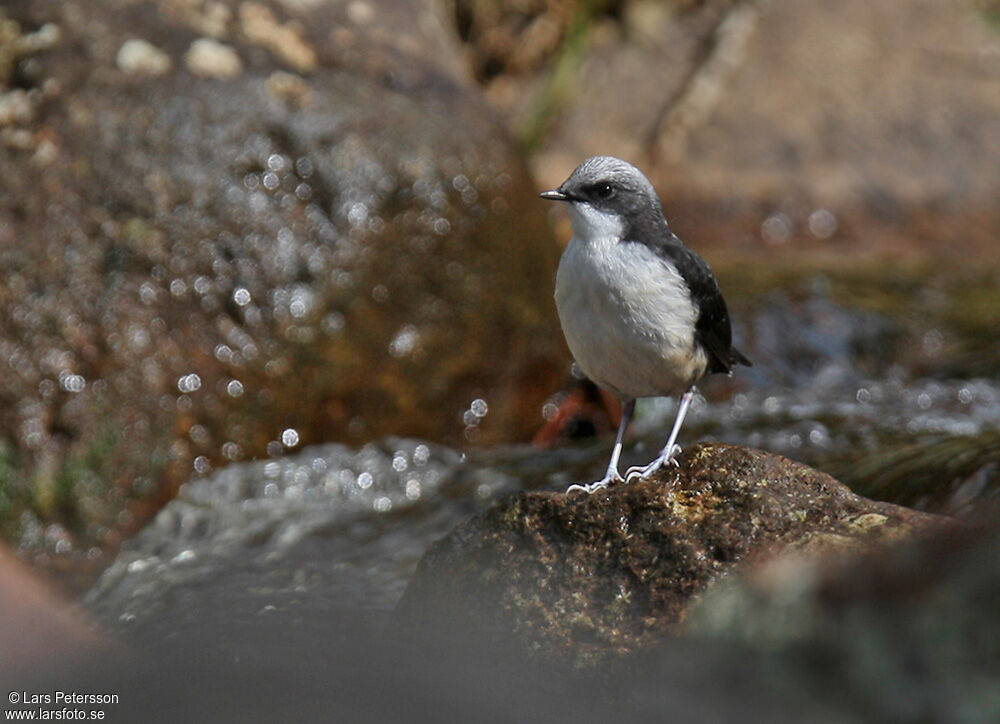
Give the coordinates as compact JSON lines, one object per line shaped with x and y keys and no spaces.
{"x":603,"y":190}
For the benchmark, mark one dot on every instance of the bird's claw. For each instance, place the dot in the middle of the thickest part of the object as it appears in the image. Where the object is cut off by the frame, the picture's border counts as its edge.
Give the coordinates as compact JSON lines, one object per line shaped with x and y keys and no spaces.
{"x":595,"y":486}
{"x":640,"y":472}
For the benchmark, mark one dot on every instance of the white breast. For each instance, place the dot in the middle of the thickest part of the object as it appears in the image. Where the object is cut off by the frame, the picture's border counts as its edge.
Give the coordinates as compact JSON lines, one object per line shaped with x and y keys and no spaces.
{"x":626,"y":312}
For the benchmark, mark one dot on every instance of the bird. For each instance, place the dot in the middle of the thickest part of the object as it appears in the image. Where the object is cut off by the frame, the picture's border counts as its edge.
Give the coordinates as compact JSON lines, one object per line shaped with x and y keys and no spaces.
{"x":642,"y":313}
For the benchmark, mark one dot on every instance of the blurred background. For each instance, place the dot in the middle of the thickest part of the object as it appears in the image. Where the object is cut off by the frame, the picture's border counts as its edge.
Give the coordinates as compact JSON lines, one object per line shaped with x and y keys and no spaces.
{"x":276,"y":272}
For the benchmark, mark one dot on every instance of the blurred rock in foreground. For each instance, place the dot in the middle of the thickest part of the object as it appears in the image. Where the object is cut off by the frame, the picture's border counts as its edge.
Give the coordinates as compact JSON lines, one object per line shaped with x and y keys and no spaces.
{"x":264,"y":591}
{"x":586,"y":577}
{"x":37,"y":628}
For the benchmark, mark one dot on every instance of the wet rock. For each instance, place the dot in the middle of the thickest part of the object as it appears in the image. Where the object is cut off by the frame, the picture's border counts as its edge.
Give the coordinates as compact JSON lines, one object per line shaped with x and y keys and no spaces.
{"x":588,"y":577}
{"x":328,"y":526}
{"x":298,"y":229}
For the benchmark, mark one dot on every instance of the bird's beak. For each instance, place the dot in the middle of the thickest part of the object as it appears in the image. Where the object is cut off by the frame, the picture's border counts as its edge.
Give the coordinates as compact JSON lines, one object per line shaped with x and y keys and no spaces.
{"x":554,"y":195}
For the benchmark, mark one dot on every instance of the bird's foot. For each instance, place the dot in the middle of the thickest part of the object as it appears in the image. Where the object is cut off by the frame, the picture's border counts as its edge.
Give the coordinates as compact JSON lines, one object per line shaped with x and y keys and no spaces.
{"x":595,"y":486}
{"x":641,"y":472}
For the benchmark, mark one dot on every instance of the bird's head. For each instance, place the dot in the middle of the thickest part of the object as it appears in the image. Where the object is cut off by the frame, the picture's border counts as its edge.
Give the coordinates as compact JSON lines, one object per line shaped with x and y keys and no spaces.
{"x":606,"y":196}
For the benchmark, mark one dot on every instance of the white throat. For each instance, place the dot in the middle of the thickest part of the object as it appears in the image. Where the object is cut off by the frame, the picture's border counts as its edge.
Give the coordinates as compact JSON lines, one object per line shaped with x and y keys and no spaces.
{"x":595,"y":227}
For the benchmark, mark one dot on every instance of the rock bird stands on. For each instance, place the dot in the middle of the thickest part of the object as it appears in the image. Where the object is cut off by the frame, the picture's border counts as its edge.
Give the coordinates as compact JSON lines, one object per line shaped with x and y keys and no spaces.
{"x":642,"y":313}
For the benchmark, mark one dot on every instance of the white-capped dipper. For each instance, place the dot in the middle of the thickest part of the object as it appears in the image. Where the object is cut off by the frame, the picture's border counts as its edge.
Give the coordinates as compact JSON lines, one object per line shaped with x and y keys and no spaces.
{"x":642,"y":313}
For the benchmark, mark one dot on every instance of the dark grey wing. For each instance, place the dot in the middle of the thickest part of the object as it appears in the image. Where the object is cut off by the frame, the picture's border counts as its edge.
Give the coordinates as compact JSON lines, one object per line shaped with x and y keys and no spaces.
{"x":712,"y":329}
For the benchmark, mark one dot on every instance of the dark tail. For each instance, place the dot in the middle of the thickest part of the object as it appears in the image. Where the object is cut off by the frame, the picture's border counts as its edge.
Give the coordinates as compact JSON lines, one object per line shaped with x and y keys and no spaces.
{"x":738,"y":358}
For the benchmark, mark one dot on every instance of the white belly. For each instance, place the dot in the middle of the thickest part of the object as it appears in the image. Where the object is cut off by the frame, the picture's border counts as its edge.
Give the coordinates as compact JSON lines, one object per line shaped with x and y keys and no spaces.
{"x":628,"y":319}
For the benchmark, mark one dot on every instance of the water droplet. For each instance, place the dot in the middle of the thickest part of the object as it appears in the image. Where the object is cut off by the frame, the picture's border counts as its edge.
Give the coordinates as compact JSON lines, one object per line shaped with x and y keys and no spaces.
{"x":412,"y":489}
{"x":71,"y":382}
{"x":188,"y":383}
{"x":470,"y":196}
{"x":199,"y":434}
{"x":479,"y":408}
{"x":184,"y":556}
{"x":46,"y":388}
{"x":332,"y":323}
{"x":147,"y":293}
{"x":933,"y":342}
{"x":357,"y":214}
{"x":863,"y":396}
{"x":365,"y":480}
{"x":303,"y":192}
{"x":304,"y":167}
{"x":241,"y":295}
{"x":382,"y":504}
{"x":399,"y":462}
{"x":404,"y":342}
{"x":139,"y":565}
{"x":290,"y":437}
{"x":776,"y":229}
{"x":549,"y":411}
{"x":232,"y":451}
{"x":822,"y":224}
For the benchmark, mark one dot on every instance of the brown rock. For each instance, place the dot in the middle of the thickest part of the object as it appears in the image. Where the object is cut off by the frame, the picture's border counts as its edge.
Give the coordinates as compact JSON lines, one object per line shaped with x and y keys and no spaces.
{"x":885,"y":114}
{"x":611,"y":573}
{"x":237,"y":255}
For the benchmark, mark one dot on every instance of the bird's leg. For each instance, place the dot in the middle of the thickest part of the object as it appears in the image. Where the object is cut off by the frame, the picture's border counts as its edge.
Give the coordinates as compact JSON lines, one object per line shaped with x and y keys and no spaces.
{"x":670,"y":449}
{"x":612,"y":475}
